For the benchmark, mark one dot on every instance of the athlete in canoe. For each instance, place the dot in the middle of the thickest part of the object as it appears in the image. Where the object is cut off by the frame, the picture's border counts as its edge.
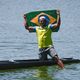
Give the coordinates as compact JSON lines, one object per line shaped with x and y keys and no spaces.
{"x":44,"y":32}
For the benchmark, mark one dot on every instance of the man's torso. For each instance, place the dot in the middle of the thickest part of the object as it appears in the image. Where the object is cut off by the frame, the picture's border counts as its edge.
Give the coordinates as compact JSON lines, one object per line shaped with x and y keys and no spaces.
{"x":44,"y":36}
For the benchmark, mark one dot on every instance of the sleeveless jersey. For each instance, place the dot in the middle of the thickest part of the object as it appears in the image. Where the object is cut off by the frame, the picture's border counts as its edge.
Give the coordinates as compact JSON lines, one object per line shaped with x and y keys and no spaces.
{"x":44,"y":36}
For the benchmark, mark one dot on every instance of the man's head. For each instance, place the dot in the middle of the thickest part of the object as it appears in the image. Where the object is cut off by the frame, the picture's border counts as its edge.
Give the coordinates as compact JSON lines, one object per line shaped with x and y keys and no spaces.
{"x":43,"y":20}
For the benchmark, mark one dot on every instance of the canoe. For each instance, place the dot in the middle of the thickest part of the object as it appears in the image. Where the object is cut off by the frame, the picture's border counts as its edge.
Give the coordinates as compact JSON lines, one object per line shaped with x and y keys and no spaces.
{"x":14,"y":64}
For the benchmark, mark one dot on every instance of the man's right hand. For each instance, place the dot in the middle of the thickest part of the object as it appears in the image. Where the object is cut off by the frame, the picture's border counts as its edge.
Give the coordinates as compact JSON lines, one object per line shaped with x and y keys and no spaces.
{"x":25,"y":22}
{"x":29,"y":28}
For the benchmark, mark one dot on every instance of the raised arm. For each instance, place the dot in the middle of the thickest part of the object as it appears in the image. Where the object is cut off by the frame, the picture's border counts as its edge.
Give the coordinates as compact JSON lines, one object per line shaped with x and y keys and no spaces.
{"x":29,"y":28}
{"x":58,"y":20}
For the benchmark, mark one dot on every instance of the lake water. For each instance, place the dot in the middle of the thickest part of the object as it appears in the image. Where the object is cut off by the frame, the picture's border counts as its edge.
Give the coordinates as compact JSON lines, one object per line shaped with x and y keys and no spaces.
{"x":17,"y":43}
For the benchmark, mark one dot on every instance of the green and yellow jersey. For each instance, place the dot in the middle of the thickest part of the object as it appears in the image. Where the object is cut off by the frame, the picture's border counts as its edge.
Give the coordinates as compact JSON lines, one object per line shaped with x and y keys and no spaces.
{"x":44,"y":36}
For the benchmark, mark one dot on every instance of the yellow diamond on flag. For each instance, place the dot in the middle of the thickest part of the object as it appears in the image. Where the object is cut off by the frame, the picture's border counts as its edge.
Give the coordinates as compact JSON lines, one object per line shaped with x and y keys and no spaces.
{"x":35,"y":19}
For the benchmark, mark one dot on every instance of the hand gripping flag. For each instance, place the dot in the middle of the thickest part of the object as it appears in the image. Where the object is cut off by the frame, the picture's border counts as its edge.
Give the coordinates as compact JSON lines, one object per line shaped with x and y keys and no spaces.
{"x":32,"y":17}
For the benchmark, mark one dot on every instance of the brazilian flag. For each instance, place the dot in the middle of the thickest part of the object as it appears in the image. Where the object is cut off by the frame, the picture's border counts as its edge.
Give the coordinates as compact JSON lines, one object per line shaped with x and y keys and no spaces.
{"x":32,"y":17}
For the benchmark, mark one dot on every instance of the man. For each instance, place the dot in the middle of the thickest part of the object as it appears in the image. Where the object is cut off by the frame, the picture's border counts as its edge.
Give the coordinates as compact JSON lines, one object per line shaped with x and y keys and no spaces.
{"x":44,"y":32}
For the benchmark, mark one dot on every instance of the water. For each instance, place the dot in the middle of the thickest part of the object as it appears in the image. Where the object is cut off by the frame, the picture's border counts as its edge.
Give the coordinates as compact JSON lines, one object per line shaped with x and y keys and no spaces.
{"x":17,"y":43}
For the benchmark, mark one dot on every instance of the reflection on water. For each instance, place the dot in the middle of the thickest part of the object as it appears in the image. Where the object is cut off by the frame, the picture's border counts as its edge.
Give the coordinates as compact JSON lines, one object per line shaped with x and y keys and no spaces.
{"x":70,"y":72}
{"x":40,"y":73}
{"x":43,"y":74}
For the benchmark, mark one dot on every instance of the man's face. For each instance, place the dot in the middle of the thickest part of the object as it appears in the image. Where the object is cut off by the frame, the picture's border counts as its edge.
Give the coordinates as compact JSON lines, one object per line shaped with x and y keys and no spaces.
{"x":42,"y":22}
